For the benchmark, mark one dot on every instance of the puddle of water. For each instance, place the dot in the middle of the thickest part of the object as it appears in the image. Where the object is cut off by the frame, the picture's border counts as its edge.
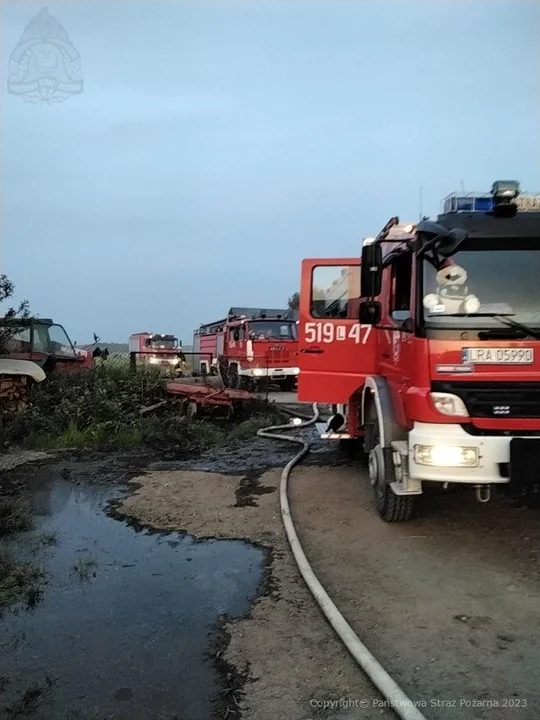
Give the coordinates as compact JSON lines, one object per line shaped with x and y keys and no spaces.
{"x":131,"y":641}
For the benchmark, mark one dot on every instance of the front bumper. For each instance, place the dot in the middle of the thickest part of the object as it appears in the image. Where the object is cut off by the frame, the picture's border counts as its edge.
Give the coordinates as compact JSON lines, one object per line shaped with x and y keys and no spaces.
{"x":274,"y":373}
{"x":493,"y":455}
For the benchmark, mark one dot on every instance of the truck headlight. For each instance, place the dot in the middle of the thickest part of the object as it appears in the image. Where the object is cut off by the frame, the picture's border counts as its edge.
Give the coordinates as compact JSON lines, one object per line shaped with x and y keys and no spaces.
{"x":448,"y":404}
{"x":296,"y":371}
{"x":153,"y":361}
{"x":257,"y":372}
{"x":446,"y":456}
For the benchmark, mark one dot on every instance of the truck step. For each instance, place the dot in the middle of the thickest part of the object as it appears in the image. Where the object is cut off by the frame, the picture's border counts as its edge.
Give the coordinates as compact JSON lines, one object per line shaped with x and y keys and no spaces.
{"x":398,"y":489}
{"x":325,"y":435}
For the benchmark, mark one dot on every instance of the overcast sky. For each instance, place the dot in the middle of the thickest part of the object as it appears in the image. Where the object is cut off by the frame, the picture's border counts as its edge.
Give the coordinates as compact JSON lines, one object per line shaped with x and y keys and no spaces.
{"x":216,"y":144}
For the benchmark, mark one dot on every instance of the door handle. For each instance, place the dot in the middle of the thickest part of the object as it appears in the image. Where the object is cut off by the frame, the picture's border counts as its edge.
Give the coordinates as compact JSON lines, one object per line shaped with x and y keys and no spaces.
{"x":312,"y":351}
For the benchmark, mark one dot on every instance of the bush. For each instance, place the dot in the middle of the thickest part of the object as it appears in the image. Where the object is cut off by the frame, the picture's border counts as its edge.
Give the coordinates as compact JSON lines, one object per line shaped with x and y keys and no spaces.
{"x":89,"y":408}
{"x":100,"y":409}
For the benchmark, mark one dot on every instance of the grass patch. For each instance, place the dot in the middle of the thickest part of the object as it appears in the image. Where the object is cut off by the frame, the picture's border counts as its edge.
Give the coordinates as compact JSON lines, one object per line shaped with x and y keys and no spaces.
{"x":48,"y":539}
{"x":176,"y":433}
{"x":19,"y":581}
{"x":248,"y":428}
{"x":99,"y":436}
{"x":85,"y":568}
{"x":29,"y":701}
{"x":14,"y":517}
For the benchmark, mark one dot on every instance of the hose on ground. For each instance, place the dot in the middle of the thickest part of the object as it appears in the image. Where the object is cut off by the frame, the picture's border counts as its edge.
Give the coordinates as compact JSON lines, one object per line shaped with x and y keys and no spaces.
{"x":397,"y":699}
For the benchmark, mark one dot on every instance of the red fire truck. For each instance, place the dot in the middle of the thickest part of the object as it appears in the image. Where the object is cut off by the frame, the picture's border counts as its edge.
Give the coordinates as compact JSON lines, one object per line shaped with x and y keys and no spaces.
{"x":428,"y":349}
{"x":248,"y":347}
{"x":163,"y":351}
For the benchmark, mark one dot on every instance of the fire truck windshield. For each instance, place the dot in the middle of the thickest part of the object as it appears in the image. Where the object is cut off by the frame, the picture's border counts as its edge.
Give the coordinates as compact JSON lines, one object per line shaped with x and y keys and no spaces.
{"x":272,"y":330}
{"x":478,"y":286}
{"x":168,"y":343}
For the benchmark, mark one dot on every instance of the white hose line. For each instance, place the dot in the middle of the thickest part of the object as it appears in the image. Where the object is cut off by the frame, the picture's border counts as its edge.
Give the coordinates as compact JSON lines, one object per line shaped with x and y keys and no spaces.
{"x":399,"y":702}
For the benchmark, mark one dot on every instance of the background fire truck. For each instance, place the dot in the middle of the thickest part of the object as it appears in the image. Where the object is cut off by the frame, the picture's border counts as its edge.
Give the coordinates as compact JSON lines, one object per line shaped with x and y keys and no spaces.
{"x":160,"y":350}
{"x":437,"y":367}
{"x":249,"y":347}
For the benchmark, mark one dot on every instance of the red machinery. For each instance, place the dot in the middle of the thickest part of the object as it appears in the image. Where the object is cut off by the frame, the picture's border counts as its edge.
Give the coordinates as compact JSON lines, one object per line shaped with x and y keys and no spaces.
{"x":195,"y":395}
{"x":429,"y":349}
{"x":250,"y":345}
{"x":157,"y":349}
{"x":45,"y":343}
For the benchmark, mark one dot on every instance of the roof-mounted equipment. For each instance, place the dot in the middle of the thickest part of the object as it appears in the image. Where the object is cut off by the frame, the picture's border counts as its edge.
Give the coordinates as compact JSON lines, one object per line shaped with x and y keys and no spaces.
{"x":505,"y":193}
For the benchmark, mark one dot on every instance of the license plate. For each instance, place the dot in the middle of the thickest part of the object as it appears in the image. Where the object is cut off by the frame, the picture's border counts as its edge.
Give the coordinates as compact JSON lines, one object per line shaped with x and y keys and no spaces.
{"x":498,"y":356}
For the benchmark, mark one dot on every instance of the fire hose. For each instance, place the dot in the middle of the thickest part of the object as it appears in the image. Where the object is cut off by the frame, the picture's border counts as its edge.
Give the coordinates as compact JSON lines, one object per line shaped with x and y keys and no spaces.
{"x":398,"y":700}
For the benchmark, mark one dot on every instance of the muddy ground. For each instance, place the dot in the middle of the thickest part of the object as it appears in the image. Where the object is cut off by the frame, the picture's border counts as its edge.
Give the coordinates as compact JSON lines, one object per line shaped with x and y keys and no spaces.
{"x":449,"y":603}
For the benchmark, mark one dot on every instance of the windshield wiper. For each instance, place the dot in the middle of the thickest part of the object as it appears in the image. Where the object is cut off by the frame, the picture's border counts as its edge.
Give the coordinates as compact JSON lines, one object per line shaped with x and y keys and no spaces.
{"x":509,"y":322}
{"x":503,"y":318}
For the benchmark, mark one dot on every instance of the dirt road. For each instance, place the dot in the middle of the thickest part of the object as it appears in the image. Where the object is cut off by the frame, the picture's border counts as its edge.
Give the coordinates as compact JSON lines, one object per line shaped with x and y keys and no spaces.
{"x":449,"y":603}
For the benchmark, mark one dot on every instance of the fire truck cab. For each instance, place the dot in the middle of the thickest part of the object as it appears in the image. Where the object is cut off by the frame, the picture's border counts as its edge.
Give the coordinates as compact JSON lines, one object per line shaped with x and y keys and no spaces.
{"x":160,"y":350}
{"x":428,"y":348}
{"x":249,"y":347}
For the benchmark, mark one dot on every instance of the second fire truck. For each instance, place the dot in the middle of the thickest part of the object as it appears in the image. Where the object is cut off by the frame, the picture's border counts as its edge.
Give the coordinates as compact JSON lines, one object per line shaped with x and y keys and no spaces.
{"x":250,"y":347}
{"x":428,"y":349}
{"x":158,"y":349}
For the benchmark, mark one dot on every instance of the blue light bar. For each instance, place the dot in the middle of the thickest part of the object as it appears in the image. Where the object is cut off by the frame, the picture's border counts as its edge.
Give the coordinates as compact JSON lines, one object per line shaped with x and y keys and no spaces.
{"x":460,"y":202}
{"x":468,"y":202}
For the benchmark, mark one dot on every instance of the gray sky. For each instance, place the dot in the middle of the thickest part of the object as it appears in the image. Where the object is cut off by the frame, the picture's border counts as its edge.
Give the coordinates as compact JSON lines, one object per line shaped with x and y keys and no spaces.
{"x":216,"y":144}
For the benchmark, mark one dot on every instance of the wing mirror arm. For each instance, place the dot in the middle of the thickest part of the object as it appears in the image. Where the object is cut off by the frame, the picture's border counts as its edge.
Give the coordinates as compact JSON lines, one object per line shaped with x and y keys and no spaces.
{"x":370,"y":312}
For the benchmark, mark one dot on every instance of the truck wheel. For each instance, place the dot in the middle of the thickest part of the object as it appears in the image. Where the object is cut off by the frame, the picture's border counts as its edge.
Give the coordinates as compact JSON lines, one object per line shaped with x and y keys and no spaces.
{"x":234,"y":380}
{"x":288,"y":384}
{"x":391,"y":507}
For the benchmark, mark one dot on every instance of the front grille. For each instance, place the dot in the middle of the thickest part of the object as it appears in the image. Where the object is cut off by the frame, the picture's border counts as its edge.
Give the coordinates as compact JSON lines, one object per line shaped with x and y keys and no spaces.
{"x":496,"y":399}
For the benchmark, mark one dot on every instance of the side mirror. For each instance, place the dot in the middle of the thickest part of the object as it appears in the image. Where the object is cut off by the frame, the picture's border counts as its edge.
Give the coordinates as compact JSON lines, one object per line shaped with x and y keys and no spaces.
{"x":404,"y":319}
{"x":371,"y":270}
{"x":370,"y":312}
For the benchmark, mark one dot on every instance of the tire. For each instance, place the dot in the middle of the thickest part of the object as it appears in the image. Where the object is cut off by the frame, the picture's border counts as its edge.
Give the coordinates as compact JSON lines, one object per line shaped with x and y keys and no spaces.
{"x":288,"y":384}
{"x":391,"y":507}
{"x":399,"y":508}
{"x":246,"y":383}
{"x":234,"y":380}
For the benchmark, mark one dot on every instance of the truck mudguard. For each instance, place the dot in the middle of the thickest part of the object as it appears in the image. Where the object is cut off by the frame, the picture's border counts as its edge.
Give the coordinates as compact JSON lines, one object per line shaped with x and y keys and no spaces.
{"x":376,"y":388}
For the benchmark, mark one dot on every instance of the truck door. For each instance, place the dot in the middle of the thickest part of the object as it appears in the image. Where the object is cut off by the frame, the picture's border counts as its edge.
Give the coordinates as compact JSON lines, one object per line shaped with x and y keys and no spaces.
{"x":335,"y":351}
